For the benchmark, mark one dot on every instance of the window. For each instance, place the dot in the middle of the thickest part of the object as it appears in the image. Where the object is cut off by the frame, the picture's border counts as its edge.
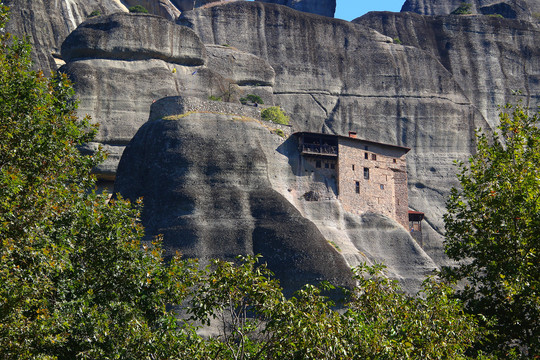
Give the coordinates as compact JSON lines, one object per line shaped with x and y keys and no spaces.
{"x":365,"y":148}
{"x":382,"y":186}
{"x":394,"y":161}
{"x":326,"y":165}
{"x":366,"y":173}
{"x":357,"y":187}
{"x":332,"y":166}
{"x":318,"y":164}
{"x":373,"y":157}
{"x":353,"y":167}
{"x":366,"y":156}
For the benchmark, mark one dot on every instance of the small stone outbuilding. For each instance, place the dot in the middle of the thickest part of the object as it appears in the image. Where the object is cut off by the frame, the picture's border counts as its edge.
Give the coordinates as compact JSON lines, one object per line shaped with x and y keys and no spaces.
{"x":368,"y":176}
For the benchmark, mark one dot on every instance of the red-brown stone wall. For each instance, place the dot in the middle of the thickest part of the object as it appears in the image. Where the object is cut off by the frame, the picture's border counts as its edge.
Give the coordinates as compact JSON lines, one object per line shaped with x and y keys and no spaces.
{"x":385,"y":191}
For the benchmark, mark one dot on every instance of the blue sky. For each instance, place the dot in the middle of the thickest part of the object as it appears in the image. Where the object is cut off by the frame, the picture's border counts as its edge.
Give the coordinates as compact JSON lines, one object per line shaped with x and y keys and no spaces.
{"x":351,"y":9}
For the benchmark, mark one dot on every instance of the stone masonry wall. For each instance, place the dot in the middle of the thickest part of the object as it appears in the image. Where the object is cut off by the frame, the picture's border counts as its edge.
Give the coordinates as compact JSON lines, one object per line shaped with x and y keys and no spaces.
{"x":321,"y":175}
{"x":401,"y":197}
{"x":370,"y":181}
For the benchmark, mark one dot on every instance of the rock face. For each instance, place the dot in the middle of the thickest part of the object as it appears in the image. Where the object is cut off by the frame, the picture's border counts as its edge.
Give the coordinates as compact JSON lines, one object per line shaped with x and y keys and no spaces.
{"x":134,"y":37}
{"x":185,"y":5}
{"x":247,"y":73}
{"x":511,"y":9}
{"x":334,"y":76}
{"x":490,"y":58}
{"x":121,"y":63}
{"x":319,"y":7}
{"x":241,"y":67}
{"x":205,"y":180}
{"x":212,"y":186}
{"x":48,"y":23}
{"x":163,"y":8}
{"x":117,"y":77}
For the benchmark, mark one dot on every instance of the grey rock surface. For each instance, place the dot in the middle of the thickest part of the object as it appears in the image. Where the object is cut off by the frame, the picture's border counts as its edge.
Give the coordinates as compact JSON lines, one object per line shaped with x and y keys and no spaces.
{"x":48,"y":23}
{"x":205,"y":182}
{"x":512,"y":9}
{"x":163,"y":8}
{"x":247,"y":73}
{"x":185,"y":5}
{"x":134,"y":37}
{"x":118,"y":94}
{"x":122,"y":63}
{"x":334,"y":76}
{"x":490,"y":58}
{"x":241,"y":67}
{"x":319,"y":7}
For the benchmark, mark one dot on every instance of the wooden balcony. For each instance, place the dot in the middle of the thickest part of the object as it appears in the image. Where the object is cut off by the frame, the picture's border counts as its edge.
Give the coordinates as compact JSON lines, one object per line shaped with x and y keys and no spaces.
{"x":316,"y":149}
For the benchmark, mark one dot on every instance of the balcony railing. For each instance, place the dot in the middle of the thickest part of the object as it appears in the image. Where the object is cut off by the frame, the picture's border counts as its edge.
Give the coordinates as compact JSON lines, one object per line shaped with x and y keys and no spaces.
{"x":329,"y":150}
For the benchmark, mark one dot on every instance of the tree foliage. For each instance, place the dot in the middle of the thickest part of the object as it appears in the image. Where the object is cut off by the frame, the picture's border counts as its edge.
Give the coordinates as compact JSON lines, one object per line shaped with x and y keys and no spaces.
{"x":138,"y":9}
{"x":75,"y":281}
{"x":275,"y":115}
{"x":492,"y":230}
{"x":463,"y":9}
{"x":380,"y":321}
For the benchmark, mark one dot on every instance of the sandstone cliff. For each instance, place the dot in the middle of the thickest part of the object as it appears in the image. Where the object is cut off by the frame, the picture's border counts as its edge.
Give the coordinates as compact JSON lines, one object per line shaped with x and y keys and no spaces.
{"x":319,"y":7}
{"x":121,"y":63}
{"x":218,"y":185}
{"x":48,"y":23}
{"x":406,"y":79}
{"x":334,"y":76}
{"x":511,"y":9}
{"x":490,"y":58}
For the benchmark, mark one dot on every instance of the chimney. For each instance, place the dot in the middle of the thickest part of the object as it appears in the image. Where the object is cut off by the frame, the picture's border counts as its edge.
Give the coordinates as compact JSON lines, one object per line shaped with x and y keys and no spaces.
{"x":352,"y":134}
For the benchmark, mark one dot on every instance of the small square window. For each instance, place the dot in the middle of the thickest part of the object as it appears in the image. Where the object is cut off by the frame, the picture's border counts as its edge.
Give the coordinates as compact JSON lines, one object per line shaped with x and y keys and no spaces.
{"x":382,"y":186}
{"x":395,"y":161}
{"x":326,"y":165}
{"x":373,"y":157}
{"x":366,"y":156}
{"x":357,"y":187}
{"x":332,"y":166}
{"x":318,"y":164}
{"x":366,"y":173}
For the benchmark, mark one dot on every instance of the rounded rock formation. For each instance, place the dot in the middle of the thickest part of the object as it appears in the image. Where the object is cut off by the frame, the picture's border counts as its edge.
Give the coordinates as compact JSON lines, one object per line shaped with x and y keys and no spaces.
{"x":511,"y":9}
{"x":319,"y":7}
{"x":204,"y":179}
{"x":134,"y":37}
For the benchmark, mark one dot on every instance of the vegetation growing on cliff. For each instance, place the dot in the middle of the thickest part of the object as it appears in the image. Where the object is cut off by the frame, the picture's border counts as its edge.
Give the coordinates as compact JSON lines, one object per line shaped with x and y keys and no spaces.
{"x":492,"y":229}
{"x":275,"y":115}
{"x":463,"y":9}
{"x":138,"y":9}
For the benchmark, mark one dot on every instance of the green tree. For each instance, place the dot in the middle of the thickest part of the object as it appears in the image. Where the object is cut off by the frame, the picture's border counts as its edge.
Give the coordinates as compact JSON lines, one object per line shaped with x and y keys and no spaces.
{"x":380,"y":321}
{"x":492,"y":231}
{"x":76,"y":281}
{"x":388,"y":324}
{"x":463,"y":9}
{"x":275,"y":115}
{"x":139,"y":9}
